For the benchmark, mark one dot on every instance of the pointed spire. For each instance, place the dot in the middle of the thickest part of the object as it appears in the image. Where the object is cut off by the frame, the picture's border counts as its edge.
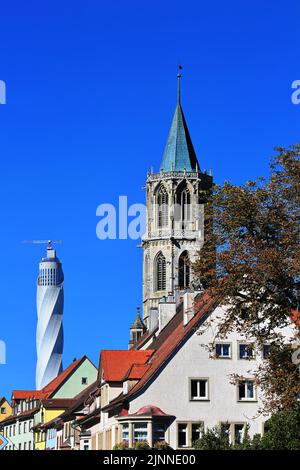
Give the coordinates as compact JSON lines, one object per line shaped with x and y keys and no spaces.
{"x":138,"y":323}
{"x":179,"y":154}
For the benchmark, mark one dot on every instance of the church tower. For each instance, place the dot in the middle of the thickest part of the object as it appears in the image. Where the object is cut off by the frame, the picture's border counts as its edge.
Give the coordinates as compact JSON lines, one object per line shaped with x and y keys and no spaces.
{"x":174,"y":228}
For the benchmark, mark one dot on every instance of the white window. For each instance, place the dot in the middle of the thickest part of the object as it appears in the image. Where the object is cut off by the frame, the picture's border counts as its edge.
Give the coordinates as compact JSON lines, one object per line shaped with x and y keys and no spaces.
{"x":234,"y":431}
{"x":246,"y":351}
{"x":188,"y":433}
{"x":159,"y":430}
{"x":239,"y":430}
{"x":223,"y":350}
{"x":125,"y":433}
{"x":140,"y":432}
{"x":198,"y":389}
{"x":246,"y":390}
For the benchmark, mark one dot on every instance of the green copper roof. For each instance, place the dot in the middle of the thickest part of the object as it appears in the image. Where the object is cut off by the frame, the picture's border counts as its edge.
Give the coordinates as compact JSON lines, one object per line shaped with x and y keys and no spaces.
{"x":179,"y":154}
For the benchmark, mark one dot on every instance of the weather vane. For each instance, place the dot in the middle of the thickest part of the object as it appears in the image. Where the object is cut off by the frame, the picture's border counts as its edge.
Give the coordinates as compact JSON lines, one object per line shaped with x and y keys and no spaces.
{"x":179,"y":77}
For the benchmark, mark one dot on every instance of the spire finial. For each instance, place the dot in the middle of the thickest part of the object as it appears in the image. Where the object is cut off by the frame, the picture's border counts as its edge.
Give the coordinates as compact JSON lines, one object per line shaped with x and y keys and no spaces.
{"x":178,"y":79}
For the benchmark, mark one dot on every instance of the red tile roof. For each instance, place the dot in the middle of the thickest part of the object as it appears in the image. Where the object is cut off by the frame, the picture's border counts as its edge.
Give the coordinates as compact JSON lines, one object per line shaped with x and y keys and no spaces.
{"x":116,"y":363}
{"x":170,"y":338}
{"x":27,"y":394}
{"x":136,"y":372}
{"x":60,"y":379}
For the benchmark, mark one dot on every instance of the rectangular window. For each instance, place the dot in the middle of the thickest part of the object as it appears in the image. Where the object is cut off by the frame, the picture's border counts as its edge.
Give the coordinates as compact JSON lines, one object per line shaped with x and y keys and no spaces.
{"x":238,"y":433}
{"x":3,"y":410}
{"x":266,"y":351}
{"x":234,"y":431}
{"x":246,"y":351}
{"x":196,"y":432}
{"x":125,"y":433}
{"x":84,"y":380}
{"x":159,"y":430}
{"x":223,"y":350}
{"x":246,"y":390}
{"x":140,"y":432}
{"x":199,"y":389}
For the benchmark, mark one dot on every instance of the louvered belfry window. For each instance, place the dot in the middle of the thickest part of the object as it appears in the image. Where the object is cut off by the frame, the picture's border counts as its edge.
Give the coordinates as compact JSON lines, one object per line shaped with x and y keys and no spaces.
{"x":184,"y":271}
{"x":183,"y":199}
{"x":160,"y":272}
{"x":163,"y":210}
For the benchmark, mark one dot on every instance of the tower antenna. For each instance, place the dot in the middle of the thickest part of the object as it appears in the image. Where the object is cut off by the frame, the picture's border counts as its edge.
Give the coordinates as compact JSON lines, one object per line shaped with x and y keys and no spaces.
{"x":42,"y":242}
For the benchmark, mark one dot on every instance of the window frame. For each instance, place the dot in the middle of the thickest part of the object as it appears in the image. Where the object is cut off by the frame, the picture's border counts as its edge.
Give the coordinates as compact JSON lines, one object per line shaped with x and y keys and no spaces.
{"x":246,"y":399}
{"x":245,"y":343}
{"x":222,"y":343}
{"x":189,"y":425}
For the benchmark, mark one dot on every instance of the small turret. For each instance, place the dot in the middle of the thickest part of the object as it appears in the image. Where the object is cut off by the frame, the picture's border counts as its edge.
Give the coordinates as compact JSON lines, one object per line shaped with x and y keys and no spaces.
{"x":137,"y":329}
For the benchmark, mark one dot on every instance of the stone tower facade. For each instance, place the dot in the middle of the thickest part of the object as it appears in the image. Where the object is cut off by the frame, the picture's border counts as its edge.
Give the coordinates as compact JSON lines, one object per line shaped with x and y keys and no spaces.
{"x":175,"y":213}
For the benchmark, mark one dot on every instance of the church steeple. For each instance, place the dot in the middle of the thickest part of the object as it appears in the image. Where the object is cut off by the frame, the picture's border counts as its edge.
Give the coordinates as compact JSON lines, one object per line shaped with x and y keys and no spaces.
{"x":174,"y":229}
{"x":179,"y":154}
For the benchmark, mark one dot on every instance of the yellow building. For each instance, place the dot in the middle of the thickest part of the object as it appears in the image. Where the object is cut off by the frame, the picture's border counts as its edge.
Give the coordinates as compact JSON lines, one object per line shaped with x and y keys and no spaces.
{"x":5,"y":409}
{"x":50,"y":409}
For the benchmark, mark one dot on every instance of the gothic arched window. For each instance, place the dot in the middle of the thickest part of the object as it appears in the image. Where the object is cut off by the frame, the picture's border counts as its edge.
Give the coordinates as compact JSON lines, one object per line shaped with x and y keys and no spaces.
{"x":184,"y":271}
{"x":183,"y":201}
{"x":160,"y":272}
{"x":162,"y":207}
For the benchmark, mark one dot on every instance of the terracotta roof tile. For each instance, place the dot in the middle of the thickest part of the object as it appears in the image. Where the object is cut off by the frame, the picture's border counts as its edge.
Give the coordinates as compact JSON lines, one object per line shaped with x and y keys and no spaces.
{"x":167,"y":341}
{"x":50,"y":388}
{"x":115,"y":363}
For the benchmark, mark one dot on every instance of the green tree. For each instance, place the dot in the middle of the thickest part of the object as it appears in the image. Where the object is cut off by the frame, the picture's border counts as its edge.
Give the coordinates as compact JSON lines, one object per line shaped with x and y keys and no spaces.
{"x":251,"y":262}
{"x":283,"y":430}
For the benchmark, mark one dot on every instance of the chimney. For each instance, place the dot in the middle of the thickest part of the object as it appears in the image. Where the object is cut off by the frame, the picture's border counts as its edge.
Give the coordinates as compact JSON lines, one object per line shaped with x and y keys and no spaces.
{"x":166,"y":310}
{"x":153,"y":319}
{"x":188,"y":307}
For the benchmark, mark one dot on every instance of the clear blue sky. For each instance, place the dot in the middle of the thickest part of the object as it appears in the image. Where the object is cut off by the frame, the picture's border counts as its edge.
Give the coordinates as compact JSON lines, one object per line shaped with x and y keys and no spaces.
{"x":91,"y":90}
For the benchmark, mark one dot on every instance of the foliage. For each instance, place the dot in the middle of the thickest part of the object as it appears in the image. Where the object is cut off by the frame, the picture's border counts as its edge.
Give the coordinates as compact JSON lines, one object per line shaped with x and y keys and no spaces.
{"x":141,"y":445}
{"x":213,"y":439}
{"x":282,"y":432}
{"x":121,"y":446}
{"x":161,"y":445}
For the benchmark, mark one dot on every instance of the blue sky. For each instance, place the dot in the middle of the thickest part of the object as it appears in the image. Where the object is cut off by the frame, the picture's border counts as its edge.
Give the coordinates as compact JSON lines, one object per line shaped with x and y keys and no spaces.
{"x":91,"y":90}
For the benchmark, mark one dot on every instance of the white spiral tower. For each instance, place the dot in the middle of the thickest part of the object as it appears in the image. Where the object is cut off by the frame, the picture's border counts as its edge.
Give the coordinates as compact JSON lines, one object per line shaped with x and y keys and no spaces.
{"x":50,"y":305}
